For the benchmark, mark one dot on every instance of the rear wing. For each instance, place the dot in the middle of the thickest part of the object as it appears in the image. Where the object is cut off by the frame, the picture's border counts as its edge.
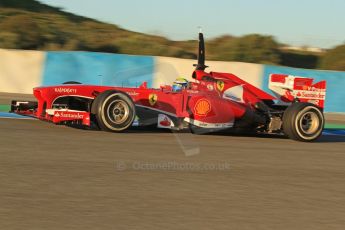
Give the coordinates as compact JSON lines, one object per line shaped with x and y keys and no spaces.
{"x":289,"y":88}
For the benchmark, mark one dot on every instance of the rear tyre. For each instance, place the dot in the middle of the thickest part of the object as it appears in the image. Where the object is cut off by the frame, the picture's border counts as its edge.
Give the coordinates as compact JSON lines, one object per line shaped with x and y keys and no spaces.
{"x":303,"y":122}
{"x":114,"y":111}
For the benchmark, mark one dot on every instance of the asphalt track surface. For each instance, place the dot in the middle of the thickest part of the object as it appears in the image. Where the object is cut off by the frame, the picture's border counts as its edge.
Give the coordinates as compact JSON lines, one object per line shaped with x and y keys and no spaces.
{"x":57,"y":177}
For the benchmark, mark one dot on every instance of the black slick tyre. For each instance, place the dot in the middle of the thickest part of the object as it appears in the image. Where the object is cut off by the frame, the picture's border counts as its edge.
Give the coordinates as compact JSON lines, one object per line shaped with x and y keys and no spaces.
{"x":303,"y":122}
{"x":113,"y":110}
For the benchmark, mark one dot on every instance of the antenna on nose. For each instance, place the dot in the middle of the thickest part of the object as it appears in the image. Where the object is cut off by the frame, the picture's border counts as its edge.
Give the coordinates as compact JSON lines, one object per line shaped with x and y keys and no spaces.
{"x":201,"y":54}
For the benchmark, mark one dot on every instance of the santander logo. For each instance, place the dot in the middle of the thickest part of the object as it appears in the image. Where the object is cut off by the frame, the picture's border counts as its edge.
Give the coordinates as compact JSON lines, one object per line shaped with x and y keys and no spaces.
{"x":76,"y":116}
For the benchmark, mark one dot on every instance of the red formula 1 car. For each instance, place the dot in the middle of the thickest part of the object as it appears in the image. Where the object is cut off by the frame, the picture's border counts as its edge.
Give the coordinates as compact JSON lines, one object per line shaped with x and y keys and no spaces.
{"x":212,"y":102}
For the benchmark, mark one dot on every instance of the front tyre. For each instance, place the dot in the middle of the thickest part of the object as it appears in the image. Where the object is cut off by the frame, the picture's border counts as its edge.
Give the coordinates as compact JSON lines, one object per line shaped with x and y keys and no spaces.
{"x":114,"y":111}
{"x":303,"y":122}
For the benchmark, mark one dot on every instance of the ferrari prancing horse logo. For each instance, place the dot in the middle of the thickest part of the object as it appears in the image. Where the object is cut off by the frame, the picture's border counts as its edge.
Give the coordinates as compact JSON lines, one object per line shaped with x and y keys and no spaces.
{"x":153,"y":99}
{"x":220,"y":85}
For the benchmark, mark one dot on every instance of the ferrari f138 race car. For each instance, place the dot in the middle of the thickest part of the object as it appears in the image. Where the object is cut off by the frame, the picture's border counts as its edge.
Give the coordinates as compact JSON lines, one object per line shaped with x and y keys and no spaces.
{"x":211,"y":102}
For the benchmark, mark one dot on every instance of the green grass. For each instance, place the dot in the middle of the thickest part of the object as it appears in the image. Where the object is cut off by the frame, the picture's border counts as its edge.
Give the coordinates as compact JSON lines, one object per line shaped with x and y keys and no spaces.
{"x":334,"y":126}
{"x":5,"y":108}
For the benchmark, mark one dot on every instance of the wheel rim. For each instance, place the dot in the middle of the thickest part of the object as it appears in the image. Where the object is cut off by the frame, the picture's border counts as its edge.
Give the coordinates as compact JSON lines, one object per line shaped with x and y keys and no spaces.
{"x":309,"y":123}
{"x":118,"y":111}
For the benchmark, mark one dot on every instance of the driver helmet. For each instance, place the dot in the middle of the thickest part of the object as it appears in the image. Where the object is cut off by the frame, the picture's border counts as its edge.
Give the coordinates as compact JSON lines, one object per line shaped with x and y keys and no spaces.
{"x":179,"y":84}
